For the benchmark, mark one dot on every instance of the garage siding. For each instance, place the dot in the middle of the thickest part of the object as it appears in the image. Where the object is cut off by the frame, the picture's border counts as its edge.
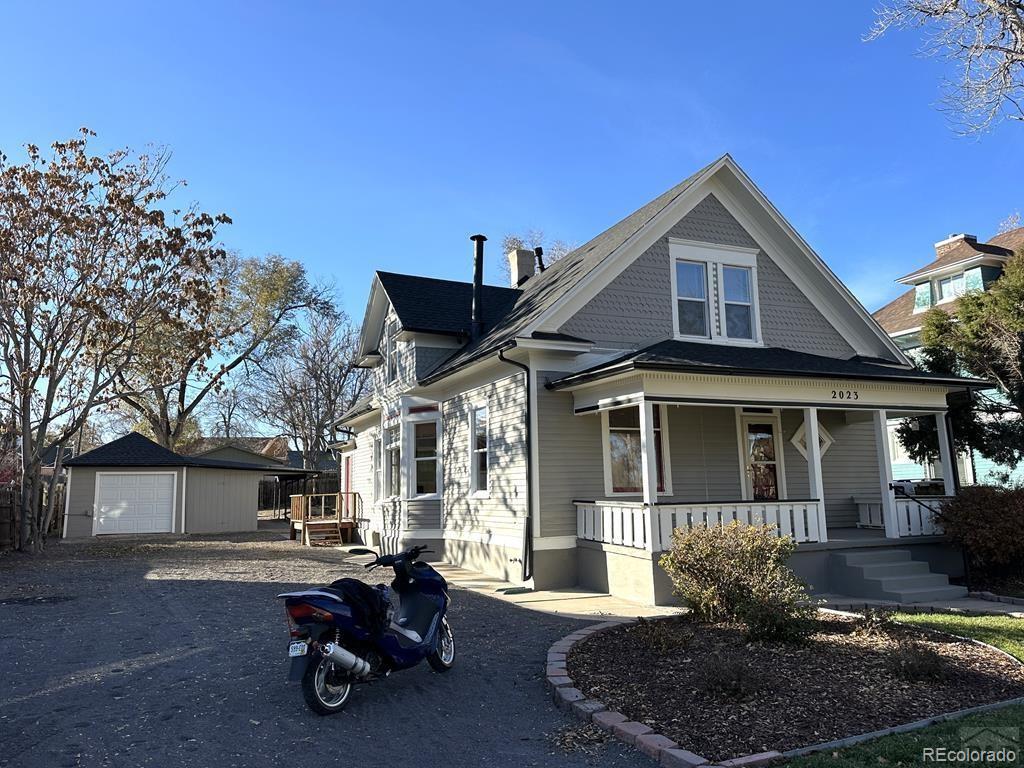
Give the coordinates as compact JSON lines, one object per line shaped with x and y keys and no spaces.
{"x":82,"y":496}
{"x":221,"y":501}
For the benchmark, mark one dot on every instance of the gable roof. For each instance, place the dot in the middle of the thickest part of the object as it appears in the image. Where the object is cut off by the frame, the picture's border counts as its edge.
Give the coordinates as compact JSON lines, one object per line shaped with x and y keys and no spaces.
{"x":235,"y":445}
{"x":135,"y":450}
{"x":1001,"y":247}
{"x":541,"y":291}
{"x":430,"y":305}
{"x":688,"y":356}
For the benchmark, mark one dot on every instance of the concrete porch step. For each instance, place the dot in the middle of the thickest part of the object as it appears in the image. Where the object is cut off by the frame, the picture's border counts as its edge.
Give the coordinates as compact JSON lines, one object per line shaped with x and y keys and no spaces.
{"x":889,"y":574}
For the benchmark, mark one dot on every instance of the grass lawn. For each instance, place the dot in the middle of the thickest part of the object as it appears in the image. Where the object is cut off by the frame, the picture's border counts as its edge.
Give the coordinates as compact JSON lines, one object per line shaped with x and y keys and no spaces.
{"x":1003,"y":632}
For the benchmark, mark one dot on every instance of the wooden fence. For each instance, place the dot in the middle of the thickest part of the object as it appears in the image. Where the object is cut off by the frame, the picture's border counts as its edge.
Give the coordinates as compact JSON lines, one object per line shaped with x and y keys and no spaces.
{"x":10,"y":518}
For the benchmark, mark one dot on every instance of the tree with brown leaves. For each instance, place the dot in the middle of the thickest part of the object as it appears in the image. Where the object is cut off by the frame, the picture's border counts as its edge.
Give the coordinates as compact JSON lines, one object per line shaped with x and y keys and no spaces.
{"x":91,"y":266}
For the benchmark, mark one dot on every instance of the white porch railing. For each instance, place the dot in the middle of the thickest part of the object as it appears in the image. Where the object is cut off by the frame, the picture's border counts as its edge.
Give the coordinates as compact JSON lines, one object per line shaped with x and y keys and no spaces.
{"x":913,"y":517}
{"x":625,"y":523}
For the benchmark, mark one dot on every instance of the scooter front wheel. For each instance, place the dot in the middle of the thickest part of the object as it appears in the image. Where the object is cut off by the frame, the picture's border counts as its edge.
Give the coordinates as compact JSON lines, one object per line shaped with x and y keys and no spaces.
{"x":325,"y":687}
{"x":443,"y":658}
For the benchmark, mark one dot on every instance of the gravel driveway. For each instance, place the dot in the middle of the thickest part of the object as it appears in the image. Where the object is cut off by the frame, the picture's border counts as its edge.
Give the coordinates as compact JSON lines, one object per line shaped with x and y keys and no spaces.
{"x":172,"y":653}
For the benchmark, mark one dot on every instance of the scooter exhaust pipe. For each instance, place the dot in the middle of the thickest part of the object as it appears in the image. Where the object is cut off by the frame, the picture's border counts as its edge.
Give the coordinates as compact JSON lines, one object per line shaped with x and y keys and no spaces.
{"x":345,"y":659}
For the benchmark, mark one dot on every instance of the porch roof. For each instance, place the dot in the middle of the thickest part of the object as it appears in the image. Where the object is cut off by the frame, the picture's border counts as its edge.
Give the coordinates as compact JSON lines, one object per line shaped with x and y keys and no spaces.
{"x":696,"y":357}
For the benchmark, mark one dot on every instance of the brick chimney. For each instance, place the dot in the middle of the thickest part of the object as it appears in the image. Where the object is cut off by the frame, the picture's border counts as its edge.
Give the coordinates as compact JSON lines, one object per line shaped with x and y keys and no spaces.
{"x":522,"y":263}
{"x":945,"y":246}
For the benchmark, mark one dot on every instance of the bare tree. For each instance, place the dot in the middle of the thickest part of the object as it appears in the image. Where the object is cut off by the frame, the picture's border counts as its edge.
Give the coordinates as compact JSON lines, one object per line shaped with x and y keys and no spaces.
{"x":89,"y":264}
{"x":253,"y":317}
{"x":304,"y":391}
{"x":227,"y":406}
{"x":1010,"y":223}
{"x":532,"y":238}
{"x":984,"y":38}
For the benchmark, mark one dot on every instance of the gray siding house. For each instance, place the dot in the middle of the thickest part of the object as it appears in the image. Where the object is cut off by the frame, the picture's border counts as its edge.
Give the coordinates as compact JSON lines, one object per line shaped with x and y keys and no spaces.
{"x":694,"y":364}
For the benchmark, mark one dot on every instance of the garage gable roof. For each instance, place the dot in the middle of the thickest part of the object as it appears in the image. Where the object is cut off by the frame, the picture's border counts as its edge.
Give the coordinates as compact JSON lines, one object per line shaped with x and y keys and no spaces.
{"x":135,"y":450}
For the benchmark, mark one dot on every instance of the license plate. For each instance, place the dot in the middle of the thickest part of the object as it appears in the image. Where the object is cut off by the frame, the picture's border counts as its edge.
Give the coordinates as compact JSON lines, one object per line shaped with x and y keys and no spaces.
{"x":298,"y":648}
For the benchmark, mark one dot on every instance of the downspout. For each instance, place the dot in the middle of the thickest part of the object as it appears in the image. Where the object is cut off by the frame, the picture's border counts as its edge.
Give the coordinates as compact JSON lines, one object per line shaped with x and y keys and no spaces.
{"x":528,"y":525}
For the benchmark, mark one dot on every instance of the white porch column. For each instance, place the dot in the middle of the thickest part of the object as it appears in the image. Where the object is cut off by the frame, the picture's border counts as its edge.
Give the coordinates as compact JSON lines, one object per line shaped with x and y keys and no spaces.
{"x":815,"y":482}
{"x":649,"y":466}
{"x":945,"y":455}
{"x":892,"y":529}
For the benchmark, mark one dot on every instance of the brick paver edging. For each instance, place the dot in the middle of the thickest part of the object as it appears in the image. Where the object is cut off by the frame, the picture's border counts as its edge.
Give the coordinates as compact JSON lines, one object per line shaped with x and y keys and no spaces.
{"x":667,"y":752}
{"x":660,"y":748}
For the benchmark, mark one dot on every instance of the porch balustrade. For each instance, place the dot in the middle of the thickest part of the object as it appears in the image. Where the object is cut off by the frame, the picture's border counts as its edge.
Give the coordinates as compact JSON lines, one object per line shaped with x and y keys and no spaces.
{"x":913,"y":517}
{"x":625,"y":523}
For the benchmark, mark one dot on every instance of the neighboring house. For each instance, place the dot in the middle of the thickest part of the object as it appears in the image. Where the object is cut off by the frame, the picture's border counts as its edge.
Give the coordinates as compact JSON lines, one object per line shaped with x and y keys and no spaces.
{"x":961,"y":264}
{"x":696,"y":363}
{"x":236,"y":450}
{"x":132,"y":485}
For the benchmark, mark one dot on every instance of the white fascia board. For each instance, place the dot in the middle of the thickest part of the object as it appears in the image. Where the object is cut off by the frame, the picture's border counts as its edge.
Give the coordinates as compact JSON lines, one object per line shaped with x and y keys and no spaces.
{"x":856,"y":337}
{"x":572,"y":347}
{"x":373,"y":318}
{"x":617,"y":261}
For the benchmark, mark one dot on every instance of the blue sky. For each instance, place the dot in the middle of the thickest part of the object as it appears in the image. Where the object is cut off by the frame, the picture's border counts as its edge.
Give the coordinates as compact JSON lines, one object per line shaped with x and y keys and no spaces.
{"x":356,"y":137}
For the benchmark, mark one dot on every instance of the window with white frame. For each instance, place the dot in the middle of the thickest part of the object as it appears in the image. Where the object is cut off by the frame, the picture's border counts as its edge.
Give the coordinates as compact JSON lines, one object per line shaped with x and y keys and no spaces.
{"x":378,"y":469}
{"x":623,"y":460}
{"x":393,"y":461}
{"x":479,"y":450}
{"x":799,"y":439}
{"x":715,"y":291}
{"x":692,"y":299}
{"x":951,"y":287}
{"x":424,"y":454}
{"x":738,"y":300}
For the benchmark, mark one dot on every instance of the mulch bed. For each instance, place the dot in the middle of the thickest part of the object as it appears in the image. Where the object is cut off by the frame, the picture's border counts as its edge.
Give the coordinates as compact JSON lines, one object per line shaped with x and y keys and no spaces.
{"x":715,"y":694}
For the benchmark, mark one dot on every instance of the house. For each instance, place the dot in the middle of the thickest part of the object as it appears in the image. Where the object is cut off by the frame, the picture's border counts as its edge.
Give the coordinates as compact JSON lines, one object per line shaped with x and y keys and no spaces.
{"x":961,"y":264}
{"x":695,"y":363}
{"x":132,"y":485}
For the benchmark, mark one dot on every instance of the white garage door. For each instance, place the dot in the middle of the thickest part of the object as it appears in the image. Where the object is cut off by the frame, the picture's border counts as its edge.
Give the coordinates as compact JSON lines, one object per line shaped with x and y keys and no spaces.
{"x":135,"y":502}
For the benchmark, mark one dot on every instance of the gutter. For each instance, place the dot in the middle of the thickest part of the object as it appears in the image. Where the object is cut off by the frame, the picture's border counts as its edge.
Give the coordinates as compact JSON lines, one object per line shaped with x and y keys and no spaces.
{"x":528,"y":523}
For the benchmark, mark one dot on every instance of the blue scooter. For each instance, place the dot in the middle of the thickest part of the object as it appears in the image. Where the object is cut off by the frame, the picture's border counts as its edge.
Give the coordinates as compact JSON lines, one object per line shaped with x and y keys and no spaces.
{"x":350,"y":632}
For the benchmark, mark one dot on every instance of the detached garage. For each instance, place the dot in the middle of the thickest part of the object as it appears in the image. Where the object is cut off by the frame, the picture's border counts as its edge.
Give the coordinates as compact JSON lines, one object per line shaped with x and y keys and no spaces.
{"x":133,"y":486}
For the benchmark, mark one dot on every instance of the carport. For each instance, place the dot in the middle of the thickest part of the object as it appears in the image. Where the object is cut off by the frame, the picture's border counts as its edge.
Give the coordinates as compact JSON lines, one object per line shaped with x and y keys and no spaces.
{"x":135,"y":486}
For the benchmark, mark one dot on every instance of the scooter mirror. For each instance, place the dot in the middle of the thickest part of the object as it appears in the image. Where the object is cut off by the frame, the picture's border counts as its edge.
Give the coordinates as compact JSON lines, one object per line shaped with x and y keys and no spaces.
{"x":362,"y":551}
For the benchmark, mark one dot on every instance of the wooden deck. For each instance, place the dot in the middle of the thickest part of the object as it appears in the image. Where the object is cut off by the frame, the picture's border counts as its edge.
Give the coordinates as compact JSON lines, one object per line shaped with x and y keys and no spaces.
{"x":323,"y":518}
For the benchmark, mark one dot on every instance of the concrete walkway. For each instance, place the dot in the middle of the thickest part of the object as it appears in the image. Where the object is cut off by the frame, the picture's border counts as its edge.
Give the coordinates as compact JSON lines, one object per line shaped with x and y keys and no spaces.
{"x":964,"y":604}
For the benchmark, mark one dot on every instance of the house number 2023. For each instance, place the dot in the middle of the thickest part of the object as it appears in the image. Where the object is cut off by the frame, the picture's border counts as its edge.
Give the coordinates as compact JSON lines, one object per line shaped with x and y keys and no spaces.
{"x":845,"y":394}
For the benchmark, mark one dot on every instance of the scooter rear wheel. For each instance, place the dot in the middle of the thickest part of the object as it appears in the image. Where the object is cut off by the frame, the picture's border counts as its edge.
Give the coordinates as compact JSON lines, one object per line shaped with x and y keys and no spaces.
{"x":443,"y":659}
{"x":325,"y":689}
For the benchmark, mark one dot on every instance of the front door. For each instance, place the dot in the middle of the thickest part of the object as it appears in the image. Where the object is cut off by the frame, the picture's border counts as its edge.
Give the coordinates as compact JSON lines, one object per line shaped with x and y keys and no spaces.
{"x":763,"y":471}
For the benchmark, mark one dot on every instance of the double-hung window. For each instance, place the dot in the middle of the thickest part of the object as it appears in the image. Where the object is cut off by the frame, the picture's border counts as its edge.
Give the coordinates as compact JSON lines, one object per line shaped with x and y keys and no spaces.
{"x":951,"y":287}
{"x":738,"y":301}
{"x":692,"y":298}
{"x":479,"y":450}
{"x":424,"y":443}
{"x":393,"y":458}
{"x":622,"y":451}
{"x":715,"y":292}
{"x":378,"y":469}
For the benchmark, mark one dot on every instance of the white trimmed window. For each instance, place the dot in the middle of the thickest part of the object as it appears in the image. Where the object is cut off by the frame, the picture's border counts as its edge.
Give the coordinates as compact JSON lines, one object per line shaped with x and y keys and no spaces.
{"x":378,"y":469}
{"x":951,"y":288}
{"x":479,"y":450}
{"x":715,"y":291}
{"x":622,"y":457}
{"x":424,"y":457}
{"x":392,"y":350}
{"x":799,"y":439}
{"x":393,"y":461}
{"x":692,"y":299}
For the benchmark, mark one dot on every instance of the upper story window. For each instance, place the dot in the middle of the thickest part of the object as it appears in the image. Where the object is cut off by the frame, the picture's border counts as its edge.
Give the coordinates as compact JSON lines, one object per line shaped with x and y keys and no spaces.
{"x":715,"y":291}
{"x":951,"y":287}
{"x":479,"y":449}
{"x":692,"y":298}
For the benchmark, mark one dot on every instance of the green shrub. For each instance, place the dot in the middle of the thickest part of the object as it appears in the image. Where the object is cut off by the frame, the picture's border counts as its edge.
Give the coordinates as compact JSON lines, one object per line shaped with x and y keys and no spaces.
{"x":915,"y":661}
{"x":738,"y":572}
{"x":989,"y":523}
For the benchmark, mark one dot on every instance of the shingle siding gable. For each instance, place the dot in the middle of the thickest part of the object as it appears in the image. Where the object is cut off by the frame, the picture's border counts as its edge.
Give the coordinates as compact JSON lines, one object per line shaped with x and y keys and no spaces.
{"x":635,"y":309}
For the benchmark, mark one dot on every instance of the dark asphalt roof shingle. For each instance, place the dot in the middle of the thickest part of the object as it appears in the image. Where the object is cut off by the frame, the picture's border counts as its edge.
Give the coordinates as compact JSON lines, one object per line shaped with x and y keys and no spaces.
{"x":686,"y":356}
{"x":430,"y":305}
{"x":543,"y":290}
{"x":135,"y":450}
